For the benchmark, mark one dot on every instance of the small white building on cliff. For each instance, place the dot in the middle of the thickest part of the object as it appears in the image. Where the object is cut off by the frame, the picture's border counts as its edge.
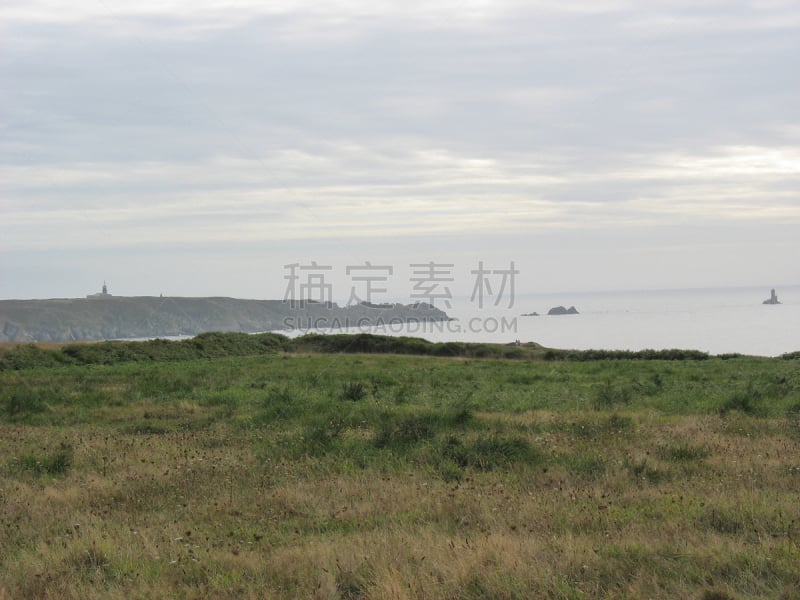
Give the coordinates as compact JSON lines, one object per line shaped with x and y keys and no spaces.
{"x":103,"y":294}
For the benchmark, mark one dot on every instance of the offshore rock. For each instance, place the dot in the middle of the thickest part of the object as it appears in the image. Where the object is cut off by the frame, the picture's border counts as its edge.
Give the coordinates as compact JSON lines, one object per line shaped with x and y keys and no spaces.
{"x":560,"y":310}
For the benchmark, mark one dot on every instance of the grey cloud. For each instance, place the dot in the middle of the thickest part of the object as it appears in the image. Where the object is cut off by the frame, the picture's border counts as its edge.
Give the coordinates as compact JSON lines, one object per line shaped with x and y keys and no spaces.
{"x":238,"y":91}
{"x":259,"y":121}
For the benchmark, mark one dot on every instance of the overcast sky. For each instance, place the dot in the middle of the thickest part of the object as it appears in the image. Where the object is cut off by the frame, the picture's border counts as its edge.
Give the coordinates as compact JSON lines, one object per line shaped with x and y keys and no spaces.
{"x":172,"y":148}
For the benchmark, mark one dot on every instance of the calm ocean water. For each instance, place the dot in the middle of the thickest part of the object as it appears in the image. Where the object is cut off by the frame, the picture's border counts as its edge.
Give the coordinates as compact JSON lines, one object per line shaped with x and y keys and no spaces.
{"x":713,"y":320}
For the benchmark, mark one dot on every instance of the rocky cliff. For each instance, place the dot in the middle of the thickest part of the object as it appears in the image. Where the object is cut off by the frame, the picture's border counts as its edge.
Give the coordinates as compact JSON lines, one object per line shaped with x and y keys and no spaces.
{"x":119,"y":317}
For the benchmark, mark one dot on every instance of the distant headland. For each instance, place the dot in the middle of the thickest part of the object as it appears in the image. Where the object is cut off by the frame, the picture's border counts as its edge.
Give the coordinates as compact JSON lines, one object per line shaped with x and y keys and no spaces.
{"x":103,"y":316}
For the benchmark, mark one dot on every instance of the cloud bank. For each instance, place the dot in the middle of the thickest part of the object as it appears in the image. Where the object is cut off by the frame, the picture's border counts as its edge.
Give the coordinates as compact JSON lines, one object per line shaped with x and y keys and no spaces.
{"x":463,"y":126}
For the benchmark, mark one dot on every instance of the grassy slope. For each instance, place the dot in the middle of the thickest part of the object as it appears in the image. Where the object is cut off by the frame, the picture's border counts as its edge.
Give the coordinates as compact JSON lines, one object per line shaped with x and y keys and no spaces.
{"x":385,"y":476}
{"x":217,"y":345}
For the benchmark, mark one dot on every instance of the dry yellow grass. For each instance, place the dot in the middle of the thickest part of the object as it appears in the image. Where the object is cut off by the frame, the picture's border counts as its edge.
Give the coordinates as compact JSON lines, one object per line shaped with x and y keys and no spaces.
{"x":256,"y":479}
{"x":196,"y":514}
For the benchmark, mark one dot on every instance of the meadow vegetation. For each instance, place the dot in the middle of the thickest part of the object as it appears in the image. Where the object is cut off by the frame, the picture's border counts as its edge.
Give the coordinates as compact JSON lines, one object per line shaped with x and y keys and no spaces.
{"x":218,"y":345}
{"x":352,"y":467}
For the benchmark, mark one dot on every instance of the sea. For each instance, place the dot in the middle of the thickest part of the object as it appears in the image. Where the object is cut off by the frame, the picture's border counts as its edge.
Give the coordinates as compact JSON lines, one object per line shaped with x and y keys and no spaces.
{"x":717,"y":321}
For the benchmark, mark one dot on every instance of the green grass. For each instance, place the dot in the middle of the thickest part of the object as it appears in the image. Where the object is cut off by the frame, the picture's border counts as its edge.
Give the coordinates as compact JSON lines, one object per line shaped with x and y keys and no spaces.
{"x":55,"y":462}
{"x":219,"y":345}
{"x":291,"y":472}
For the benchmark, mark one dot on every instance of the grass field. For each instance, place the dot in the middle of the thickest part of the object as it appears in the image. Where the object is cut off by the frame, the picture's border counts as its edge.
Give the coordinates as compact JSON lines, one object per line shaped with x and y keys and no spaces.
{"x":336,"y":475}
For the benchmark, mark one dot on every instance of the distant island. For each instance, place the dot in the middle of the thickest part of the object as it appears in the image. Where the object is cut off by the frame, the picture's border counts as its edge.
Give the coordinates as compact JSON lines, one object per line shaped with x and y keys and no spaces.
{"x":556,"y":310}
{"x":560,"y":310}
{"x":773,"y":298}
{"x":104,"y":317}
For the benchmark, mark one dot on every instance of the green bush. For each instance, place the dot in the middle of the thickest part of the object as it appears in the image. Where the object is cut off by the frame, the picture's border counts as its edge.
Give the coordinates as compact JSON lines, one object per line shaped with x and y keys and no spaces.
{"x":205,"y":345}
{"x":362,"y":343}
{"x":394,"y":430}
{"x":596,"y":355}
{"x":280,"y":404}
{"x":589,"y":466}
{"x":683,"y":453}
{"x":619,"y":423}
{"x":642,"y":471}
{"x":747,"y":401}
{"x":489,"y":453}
{"x":321,"y":436}
{"x":353,"y":391}
{"x":461,"y":413}
{"x":21,"y":403}
{"x":54,"y":463}
{"x":29,"y":356}
{"x":451,"y":349}
{"x":607,"y":395}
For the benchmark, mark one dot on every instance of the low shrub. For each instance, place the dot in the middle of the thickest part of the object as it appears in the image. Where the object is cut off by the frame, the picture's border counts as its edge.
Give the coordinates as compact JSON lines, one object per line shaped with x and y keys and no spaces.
{"x":608,"y":394}
{"x":53,"y":463}
{"x":353,"y":391}
{"x":22,"y":403}
{"x":489,"y":453}
{"x":595,"y":355}
{"x":29,"y":356}
{"x":747,"y":401}
{"x":394,"y":430}
{"x":205,"y":345}
{"x":643,"y":471}
{"x":683,"y":453}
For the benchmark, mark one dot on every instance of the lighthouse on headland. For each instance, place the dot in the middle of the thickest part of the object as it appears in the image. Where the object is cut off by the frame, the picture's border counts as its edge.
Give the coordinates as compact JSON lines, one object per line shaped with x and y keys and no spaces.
{"x":103,"y":294}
